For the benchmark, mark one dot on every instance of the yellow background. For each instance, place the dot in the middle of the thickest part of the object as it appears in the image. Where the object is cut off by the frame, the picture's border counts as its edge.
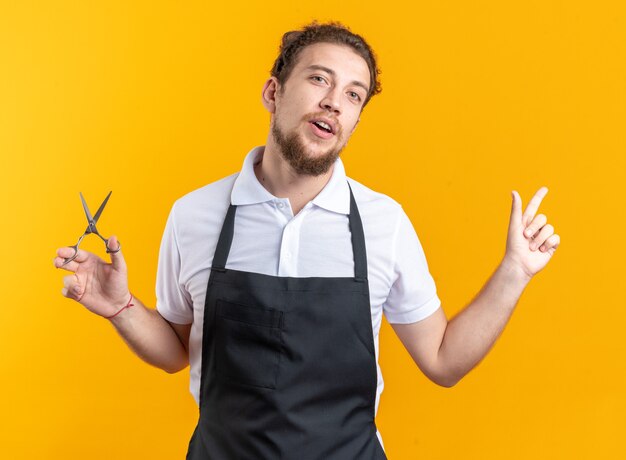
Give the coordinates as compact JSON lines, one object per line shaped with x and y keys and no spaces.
{"x":154,"y":99}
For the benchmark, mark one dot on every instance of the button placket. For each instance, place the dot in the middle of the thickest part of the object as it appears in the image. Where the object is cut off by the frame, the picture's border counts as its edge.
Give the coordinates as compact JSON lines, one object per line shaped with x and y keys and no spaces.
{"x":283,"y":208}
{"x":290,"y":247}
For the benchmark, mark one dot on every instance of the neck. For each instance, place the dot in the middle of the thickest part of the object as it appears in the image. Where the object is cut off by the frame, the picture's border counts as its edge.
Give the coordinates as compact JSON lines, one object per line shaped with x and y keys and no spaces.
{"x":279,"y":178}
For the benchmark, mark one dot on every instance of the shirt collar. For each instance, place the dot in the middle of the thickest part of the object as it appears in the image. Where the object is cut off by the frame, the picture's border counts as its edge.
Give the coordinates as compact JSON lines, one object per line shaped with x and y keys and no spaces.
{"x":247,"y":188}
{"x":335,"y":196}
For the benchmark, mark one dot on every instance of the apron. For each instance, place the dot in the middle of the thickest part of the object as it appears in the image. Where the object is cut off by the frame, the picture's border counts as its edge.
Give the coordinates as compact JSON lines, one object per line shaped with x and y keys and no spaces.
{"x":288,"y":364}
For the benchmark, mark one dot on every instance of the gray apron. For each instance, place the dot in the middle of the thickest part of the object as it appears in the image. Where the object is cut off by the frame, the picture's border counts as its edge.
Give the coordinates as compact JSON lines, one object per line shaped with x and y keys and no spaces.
{"x":288,"y":364}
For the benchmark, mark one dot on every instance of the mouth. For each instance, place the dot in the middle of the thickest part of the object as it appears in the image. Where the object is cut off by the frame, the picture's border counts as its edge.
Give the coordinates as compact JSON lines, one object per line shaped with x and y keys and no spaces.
{"x":323,"y":127}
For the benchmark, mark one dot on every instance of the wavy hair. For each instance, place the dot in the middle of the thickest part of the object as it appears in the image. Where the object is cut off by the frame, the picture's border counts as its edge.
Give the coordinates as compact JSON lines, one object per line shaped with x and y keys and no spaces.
{"x":293,"y":42}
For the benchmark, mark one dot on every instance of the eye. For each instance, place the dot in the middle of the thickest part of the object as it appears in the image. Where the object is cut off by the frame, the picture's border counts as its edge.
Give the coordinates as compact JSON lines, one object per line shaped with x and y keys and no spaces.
{"x":354,"y":96}
{"x":318,"y":79}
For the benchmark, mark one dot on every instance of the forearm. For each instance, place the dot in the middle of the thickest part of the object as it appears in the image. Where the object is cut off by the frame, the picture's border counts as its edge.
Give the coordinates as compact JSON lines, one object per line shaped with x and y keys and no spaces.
{"x":151,"y":337}
{"x":470,"y":335}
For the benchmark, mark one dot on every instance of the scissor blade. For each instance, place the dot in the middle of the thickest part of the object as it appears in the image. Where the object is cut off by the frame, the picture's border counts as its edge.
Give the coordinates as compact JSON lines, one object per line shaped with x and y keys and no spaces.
{"x":99,"y":211}
{"x":86,"y":208}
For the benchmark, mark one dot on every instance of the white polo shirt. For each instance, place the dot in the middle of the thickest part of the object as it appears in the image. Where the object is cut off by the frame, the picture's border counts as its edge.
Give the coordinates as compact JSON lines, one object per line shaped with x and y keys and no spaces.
{"x":269,"y":239}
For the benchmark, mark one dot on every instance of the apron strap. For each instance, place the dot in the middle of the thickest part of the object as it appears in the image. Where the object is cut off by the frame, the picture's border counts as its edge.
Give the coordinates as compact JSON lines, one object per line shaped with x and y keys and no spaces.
{"x":225,"y":240}
{"x":356,"y":230}
{"x":358,"y":241}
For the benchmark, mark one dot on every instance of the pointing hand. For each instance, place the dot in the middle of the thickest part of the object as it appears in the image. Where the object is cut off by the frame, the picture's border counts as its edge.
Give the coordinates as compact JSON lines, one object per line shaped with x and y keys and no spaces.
{"x":531,"y":241}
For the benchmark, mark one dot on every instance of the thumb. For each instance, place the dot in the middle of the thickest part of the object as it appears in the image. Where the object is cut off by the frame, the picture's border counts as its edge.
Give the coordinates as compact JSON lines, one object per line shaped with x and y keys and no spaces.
{"x":114,"y":248}
{"x":516,"y":211}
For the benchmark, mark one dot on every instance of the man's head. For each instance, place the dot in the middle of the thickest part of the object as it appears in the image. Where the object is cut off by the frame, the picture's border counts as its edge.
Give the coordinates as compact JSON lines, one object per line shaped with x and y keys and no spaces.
{"x":321,"y":80}
{"x":295,"y":41}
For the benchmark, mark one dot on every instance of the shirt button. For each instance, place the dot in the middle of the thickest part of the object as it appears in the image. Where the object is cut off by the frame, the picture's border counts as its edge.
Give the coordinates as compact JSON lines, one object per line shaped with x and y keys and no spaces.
{"x":287,"y":255}
{"x":281,"y":205}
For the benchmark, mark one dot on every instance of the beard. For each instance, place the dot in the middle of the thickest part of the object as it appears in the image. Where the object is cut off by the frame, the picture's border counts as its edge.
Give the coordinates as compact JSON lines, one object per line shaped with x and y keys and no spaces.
{"x":299,"y":158}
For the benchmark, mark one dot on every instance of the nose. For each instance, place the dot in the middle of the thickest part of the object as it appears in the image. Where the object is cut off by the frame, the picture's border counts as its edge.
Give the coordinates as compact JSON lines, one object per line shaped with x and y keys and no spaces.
{"x":330,"y":102}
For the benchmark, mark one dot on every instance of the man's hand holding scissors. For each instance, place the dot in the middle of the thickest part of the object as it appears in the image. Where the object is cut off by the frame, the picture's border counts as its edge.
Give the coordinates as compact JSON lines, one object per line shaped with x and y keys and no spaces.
{"x":101,"y":287}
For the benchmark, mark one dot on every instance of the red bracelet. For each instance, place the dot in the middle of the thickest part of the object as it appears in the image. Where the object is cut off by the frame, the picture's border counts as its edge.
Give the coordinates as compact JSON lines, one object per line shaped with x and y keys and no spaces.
{"x":128,"y":305}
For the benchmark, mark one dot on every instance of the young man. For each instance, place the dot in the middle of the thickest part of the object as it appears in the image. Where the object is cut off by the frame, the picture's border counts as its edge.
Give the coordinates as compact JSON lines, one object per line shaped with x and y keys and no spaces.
{"x":272,"y":282}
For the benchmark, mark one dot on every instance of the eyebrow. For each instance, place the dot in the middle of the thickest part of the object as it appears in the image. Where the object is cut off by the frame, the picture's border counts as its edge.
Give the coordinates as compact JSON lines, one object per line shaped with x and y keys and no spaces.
{"x":331,"y":72}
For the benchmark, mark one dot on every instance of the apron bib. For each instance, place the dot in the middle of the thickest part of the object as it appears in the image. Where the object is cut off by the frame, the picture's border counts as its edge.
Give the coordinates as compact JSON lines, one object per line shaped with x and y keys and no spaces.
{"x":288,"y":364}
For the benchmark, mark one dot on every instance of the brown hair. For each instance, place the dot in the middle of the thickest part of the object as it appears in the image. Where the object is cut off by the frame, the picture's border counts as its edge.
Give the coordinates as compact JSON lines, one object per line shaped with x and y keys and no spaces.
{"x":295,"y":41}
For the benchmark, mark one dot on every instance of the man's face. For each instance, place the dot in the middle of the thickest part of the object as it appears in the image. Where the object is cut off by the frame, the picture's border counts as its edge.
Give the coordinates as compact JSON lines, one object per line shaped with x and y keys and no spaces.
{"x":318,"y":107}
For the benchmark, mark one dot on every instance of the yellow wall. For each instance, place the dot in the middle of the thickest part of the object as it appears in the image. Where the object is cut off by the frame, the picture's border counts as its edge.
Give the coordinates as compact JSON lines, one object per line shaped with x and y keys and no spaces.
{"x":154,"y":99}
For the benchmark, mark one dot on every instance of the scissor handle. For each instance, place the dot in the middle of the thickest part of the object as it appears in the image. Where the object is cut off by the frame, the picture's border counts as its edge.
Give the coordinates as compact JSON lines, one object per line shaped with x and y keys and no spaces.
{"x":112,"y":251}
{"x":67,"y":260}
{"x":106,"y":243}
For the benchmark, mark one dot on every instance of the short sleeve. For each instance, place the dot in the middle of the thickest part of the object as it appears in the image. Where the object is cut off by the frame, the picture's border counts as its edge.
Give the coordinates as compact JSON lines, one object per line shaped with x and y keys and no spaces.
{"x":413,"y":295}
{"x":173,"y":301}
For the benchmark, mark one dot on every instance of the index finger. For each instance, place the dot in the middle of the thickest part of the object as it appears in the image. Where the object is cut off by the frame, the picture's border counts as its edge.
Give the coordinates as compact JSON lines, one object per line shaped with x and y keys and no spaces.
{"x":533,"y":205}
{"x":68,"y":251}
{"x":59,"y":262}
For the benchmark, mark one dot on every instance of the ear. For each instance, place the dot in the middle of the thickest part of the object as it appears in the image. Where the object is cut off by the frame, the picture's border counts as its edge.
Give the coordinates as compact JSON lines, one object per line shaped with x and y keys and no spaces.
{"x":269,"y":93}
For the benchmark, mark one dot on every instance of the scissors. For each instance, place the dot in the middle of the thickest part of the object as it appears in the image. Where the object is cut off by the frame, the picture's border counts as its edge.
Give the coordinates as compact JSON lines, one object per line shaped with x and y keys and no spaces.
{"x":91,"y":228}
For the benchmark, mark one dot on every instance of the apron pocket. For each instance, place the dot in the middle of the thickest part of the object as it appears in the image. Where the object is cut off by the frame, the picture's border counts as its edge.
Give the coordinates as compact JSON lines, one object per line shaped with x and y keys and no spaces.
{"x":248,"y":344}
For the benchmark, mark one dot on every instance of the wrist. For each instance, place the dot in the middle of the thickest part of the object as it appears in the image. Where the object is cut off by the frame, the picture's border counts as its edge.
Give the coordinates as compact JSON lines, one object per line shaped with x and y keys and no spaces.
{"x":129,"y":303}
{"x":515,"y":271}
